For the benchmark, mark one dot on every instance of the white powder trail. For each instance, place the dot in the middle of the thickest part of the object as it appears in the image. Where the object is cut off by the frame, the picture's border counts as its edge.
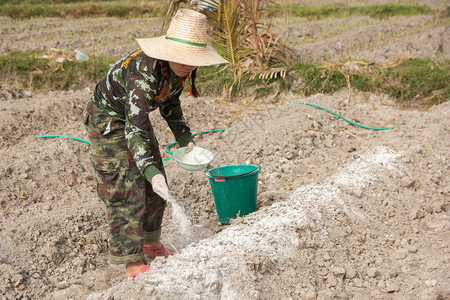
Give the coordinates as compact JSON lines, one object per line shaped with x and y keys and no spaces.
{"x":179,"y":217}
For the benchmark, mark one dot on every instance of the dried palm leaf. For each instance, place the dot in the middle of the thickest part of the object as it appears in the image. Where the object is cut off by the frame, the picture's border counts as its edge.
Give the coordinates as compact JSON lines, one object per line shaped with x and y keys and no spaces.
{"x":250,"y":16}
{"x":269,"y":74}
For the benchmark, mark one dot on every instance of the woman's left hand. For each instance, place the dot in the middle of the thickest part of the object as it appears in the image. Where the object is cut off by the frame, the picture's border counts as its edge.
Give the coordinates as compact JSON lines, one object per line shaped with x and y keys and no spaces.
{"x":159,"y":186}
{"x":189,"y":147}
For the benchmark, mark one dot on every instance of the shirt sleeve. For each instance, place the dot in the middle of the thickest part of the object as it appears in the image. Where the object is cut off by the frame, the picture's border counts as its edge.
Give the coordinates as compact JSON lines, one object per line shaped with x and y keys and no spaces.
{"x":171,"y":111}
{"x":141,"y":140}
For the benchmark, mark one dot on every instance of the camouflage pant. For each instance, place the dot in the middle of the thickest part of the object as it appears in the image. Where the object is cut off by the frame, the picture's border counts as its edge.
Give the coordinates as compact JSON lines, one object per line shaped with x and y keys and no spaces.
{"x":134,"y":211}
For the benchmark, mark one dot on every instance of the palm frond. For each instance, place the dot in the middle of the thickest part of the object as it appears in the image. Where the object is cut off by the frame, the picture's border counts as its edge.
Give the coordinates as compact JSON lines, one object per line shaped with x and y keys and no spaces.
{"x":269,"y":74}
{"x":209,"y":6}
{"x":228,"y":32}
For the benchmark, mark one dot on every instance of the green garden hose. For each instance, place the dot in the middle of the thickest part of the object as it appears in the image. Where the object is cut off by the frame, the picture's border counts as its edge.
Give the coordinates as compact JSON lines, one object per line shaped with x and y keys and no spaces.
{"x":303,"y":103}
{"x":353,"y":123}
{"x":220,"y":130}
{"x":68,"y":136}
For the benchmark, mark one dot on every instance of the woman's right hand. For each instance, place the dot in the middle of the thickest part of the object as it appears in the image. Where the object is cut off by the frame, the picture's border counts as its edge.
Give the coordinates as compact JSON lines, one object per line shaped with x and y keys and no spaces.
{"x":189,"y":147}
{"x":159,"y":186}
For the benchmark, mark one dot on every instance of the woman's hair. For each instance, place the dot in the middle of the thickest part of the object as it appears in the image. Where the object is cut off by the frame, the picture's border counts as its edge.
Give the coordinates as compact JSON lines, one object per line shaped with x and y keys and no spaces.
{"x":165,"y":91}
{"x":194,"y":92}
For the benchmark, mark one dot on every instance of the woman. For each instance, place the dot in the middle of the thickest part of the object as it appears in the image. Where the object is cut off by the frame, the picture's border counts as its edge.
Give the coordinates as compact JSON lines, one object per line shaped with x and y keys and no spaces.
{"x":125,"y":154}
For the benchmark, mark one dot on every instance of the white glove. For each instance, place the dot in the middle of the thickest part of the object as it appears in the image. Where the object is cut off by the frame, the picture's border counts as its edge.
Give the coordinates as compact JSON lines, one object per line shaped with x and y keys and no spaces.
{"x":160,"y":187}
{"x":189,"y":147}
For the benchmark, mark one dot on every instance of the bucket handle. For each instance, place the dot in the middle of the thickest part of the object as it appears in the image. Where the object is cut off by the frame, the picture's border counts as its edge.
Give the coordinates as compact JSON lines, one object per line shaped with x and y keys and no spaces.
{"x":232,"y":176}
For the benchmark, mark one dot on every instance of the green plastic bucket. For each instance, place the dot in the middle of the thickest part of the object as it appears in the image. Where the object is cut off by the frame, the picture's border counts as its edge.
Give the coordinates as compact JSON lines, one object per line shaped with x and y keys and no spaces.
{"x":234,"y":189}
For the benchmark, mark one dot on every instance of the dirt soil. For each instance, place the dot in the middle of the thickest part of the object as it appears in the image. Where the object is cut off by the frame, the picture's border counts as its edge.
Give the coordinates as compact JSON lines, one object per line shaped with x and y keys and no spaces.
{"x":343,"y":212}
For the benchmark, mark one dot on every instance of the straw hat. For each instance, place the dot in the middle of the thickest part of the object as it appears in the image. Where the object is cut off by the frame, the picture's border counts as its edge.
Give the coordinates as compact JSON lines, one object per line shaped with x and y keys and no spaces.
{"x":185,"y":42}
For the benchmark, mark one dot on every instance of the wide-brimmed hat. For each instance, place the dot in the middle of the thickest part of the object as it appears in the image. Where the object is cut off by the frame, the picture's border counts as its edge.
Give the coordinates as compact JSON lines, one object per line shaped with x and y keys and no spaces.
{"x":184,"y":43}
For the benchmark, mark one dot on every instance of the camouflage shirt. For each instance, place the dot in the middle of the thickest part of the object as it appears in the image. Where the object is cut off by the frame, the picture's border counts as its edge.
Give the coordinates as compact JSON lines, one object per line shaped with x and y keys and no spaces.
{"x":131,"y":90}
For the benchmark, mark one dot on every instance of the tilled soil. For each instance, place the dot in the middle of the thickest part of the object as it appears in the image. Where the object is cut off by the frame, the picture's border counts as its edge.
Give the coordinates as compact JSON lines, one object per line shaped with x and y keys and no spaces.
{"x":343,"y":211}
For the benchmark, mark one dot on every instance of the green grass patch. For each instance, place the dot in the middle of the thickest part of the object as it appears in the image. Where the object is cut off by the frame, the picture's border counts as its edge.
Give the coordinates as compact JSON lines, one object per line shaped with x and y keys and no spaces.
{"x":375,"y":11}
{"x":31,"y":71}
{"x":213,"y":80}
{"x":24,"y":11}
{"x":414,"y":80}
{"x":418,"y":80}
{"x":317,"y":80}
